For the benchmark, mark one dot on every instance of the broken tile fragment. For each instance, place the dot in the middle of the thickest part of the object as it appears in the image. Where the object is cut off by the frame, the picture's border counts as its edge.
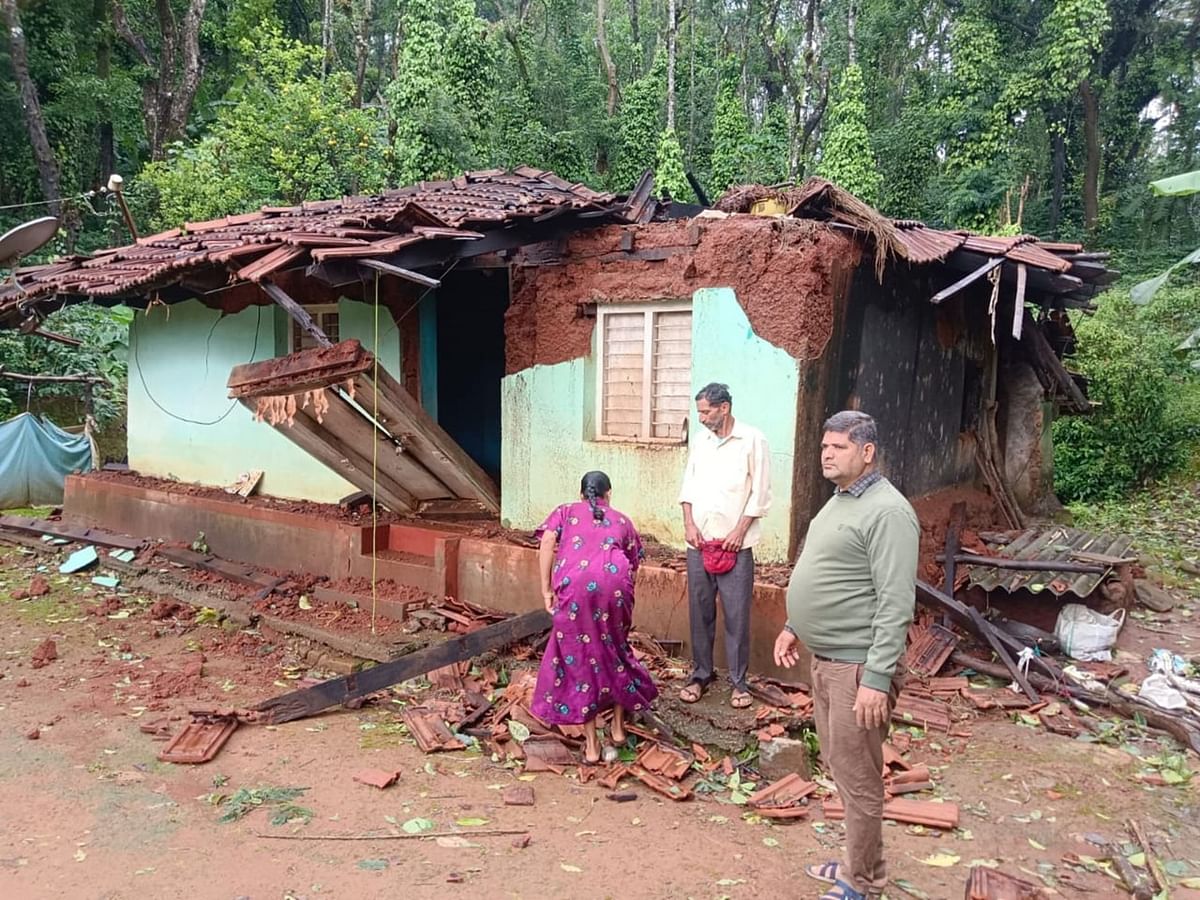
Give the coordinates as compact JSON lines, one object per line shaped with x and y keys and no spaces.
{"x":517,"y":795}
{"x":379,"y":778}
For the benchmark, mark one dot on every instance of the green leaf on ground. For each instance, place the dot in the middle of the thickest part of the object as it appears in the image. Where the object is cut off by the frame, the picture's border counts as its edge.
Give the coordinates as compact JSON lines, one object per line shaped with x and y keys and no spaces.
{"x":373,"y":865}
{"x":416,"y":826}
{"x":472,"y":822}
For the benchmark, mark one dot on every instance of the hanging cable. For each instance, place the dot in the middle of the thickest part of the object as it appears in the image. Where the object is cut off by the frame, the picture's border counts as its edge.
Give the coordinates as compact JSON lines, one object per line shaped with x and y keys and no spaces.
{"x":375,"y":465}
{"x":137,"y":364}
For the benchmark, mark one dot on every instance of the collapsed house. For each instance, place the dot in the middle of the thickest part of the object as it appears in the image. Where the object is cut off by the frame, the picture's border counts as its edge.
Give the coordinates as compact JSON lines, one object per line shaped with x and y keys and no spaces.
{"x":469,"y":348}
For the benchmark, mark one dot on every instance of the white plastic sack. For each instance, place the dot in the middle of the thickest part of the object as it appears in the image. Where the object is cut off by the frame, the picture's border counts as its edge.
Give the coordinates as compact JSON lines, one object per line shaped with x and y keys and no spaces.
{"x":1086,"y":634}
{"x":1157,"y":689}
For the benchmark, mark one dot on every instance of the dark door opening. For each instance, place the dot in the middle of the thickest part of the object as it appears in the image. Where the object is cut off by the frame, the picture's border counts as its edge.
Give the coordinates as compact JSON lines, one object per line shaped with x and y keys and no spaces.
{"x":470,"y":361}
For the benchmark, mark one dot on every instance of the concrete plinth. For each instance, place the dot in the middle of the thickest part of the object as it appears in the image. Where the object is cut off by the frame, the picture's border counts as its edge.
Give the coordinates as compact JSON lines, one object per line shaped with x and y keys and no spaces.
{"x":489,"y":573}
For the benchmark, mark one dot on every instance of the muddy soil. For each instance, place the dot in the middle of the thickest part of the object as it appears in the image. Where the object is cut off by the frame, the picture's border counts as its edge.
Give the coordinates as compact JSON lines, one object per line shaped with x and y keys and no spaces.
{"x":89,"y":811}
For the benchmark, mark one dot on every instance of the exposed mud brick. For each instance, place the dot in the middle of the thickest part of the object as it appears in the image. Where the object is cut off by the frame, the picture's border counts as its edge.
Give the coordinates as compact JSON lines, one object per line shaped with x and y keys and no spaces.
{"x":786,"y":274}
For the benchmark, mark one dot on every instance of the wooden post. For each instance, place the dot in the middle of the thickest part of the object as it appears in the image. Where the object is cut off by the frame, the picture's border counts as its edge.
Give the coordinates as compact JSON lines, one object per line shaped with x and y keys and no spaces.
{"x":296,"y":311}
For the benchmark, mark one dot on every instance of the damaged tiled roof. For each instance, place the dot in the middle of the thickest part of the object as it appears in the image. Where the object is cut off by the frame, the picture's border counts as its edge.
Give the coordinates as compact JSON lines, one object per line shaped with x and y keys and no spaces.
{"x":253,"y":245}
{"x":1062,"y":272}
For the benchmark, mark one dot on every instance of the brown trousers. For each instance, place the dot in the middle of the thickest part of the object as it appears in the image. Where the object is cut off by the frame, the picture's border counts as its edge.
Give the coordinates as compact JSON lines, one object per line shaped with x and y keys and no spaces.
{"x":854,"y":756}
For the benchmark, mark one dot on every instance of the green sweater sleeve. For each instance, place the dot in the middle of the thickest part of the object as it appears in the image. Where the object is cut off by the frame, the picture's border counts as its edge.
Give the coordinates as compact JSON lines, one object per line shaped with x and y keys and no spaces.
{"x":892,"y":547}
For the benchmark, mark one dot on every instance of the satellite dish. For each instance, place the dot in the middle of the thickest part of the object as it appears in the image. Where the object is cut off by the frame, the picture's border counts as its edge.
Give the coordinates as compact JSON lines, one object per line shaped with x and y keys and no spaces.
{"x":26,"y":239}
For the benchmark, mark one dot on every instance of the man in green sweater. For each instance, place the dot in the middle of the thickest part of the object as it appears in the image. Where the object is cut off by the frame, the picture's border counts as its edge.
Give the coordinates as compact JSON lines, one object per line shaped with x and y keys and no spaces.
{"x":850,"y":601}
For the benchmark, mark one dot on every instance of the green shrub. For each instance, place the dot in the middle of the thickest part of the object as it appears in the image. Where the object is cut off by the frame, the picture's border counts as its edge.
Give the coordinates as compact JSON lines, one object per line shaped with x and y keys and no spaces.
{"x":1147,"y":414}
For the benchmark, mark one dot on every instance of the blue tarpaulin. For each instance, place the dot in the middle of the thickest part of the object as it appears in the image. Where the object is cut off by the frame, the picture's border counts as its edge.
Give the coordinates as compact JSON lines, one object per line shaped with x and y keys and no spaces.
{"x":35,"y":458}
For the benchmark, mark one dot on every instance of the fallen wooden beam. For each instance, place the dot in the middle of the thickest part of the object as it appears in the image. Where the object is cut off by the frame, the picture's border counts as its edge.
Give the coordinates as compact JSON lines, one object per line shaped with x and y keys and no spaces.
{"x":1027,"y":565}
{"x":83,"y":535}
{"x":990,"y":635}
{"x":337,"y":691}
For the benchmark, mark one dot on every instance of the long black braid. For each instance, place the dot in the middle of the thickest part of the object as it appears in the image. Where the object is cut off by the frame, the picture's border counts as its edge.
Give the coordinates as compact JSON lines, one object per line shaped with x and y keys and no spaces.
{"x":593,"y":486}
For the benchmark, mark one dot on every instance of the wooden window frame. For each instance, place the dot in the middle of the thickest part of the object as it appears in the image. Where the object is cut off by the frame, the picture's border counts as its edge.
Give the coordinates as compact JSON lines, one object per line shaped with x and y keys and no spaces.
{"x":649,"y":310}
{"x":317,"y":311}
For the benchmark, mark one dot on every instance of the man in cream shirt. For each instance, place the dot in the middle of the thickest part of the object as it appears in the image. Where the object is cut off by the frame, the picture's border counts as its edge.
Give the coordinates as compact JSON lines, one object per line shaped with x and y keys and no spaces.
{"x":726,"y":491}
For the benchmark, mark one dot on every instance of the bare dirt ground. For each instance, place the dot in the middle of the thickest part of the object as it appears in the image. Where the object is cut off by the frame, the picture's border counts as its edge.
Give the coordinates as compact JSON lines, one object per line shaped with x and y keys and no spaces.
{"x":88,"y":811}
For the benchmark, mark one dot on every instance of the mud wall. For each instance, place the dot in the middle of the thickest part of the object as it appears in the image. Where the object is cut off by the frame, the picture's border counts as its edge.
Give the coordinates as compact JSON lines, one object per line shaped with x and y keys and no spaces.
{"x":182,"y":424}
{"x":783,"y":270}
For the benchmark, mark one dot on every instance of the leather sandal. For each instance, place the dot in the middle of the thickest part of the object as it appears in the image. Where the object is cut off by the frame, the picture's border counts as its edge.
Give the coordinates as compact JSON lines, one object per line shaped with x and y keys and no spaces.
{"x":694,"y":690}
{"x":740,"y":699}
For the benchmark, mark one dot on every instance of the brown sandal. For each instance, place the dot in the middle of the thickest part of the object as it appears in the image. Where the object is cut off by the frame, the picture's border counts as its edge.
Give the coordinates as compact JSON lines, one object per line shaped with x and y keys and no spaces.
{"x":693,"y":691}
{"x":740,"y":700}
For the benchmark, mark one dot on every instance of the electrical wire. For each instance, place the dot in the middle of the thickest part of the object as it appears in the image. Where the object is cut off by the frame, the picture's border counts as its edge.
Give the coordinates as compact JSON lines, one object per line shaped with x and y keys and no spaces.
{"x":375,"y":465}
{"x":32,"y":203}
{"x":137,"y":362}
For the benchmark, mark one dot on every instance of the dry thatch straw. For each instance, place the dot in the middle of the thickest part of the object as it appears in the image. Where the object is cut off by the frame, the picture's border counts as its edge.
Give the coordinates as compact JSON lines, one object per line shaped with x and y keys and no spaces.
{"x":824,"y":201}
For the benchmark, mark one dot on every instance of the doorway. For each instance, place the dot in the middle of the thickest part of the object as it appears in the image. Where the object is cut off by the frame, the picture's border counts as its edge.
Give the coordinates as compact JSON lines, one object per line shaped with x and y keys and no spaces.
{"x":470,"y":361}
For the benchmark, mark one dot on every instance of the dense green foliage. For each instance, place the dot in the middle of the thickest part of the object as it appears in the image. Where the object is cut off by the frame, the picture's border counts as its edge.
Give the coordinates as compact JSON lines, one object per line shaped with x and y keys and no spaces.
{"x":1148,"y":415}
{"x":1042,"y":116}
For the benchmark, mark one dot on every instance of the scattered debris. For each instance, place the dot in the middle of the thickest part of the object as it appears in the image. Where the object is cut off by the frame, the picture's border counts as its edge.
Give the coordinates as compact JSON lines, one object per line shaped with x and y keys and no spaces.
{"x":44,"y":654}
{"x":79,"y":560}
{"x":245,"y":800}
{"x":201,"y":740}
{"x":378,"y":778}
{"x":984,"y":883}
{"x":912,"y":812}
{"x":38,"y":587}
{"x":518,"y":795}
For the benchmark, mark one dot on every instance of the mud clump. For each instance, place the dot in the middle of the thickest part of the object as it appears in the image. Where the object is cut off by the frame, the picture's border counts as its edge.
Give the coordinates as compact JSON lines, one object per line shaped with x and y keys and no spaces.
{"x":171,"y":609}
{"x":46,"y":653}
{"x":106,"y":607}
{"x":38,"y":587}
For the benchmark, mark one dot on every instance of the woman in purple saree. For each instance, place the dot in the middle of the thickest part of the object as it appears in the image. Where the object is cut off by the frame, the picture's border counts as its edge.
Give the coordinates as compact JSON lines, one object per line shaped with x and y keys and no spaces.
{"x":589,"y":555}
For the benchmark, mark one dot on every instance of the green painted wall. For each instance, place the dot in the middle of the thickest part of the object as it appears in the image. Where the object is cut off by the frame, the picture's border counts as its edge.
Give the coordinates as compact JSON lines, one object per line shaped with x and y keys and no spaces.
{"x":547,"y":427}
{"x":178,"y":368}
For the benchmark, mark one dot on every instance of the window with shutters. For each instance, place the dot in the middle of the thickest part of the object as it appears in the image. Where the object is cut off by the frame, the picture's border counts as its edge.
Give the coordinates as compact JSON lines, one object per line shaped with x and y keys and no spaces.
{"x":325,"y":316}
{"x":645,"y":372}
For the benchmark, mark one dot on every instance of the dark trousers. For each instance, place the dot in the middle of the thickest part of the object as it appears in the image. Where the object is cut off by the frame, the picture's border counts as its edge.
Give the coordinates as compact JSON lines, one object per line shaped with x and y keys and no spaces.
{"x":736,"y":588}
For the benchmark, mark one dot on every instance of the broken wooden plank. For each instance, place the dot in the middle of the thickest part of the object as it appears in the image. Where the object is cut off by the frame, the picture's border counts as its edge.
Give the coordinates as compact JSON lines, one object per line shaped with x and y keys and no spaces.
{"x":336,"y":691}
{"x":429,"y":442}
{"x":407,"y":274}
{"x":989,"y":634}
{"x":347,"y":462}
{"x":1027,"y":565}
{"x":967,"y":280}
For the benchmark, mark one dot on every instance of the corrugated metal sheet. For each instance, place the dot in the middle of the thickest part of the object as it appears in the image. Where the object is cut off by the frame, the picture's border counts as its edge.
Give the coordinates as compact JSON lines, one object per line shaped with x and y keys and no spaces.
{"x":926,"y":245}
{"x":1051,"y":545}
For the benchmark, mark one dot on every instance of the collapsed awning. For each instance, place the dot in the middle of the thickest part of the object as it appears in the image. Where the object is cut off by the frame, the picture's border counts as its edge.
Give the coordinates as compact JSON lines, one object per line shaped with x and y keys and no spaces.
{"x":339,"y":406}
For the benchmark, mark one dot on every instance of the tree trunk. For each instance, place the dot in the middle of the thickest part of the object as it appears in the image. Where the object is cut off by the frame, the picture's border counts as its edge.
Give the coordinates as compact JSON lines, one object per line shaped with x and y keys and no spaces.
{"x":106,"y":162}
{"x":610,"y":68}
{"x":1057,"y":175}
{"x":362,"y":49}
{"x":671,"y":34}
{"x":326,"y":36}
{"x":43,"y":154}
{"x":851,"y":23}
{"x":1091,"y":164}
{"x":636,"y":35}
{"x":167,"y":100}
